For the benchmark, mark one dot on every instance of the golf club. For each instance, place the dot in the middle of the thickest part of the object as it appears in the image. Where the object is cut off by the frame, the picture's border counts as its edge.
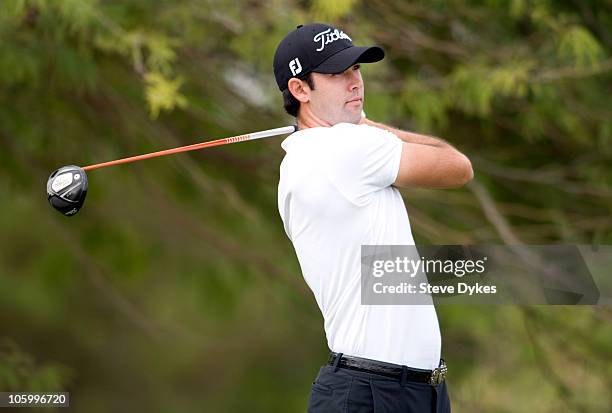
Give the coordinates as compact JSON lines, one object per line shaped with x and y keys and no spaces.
{"x":67,"y":186}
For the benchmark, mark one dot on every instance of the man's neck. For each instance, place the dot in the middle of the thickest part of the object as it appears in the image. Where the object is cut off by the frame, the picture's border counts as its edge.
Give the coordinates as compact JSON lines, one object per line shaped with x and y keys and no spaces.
{"x":306,"y":119}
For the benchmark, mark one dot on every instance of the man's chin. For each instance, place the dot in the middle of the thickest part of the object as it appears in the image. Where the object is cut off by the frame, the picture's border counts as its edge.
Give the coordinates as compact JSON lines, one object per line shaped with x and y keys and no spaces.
{"x":355,"y":118}
{"x":353,"y":115}
{"x":354,"y":121}
{"x":349,"y":116}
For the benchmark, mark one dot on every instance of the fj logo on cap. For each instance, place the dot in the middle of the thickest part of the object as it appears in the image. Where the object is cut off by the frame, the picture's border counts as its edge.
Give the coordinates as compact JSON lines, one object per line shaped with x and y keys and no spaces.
{"x":325,"y":37}
{"x":295,"y":66}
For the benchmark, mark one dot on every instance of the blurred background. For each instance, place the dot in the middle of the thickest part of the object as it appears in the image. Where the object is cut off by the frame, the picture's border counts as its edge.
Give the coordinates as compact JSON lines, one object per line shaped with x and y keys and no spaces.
{"x":176,"y":289}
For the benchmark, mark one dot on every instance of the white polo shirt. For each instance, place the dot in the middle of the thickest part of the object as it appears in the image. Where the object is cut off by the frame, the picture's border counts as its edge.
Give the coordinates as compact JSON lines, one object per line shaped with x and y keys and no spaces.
{"x":335,"y":195}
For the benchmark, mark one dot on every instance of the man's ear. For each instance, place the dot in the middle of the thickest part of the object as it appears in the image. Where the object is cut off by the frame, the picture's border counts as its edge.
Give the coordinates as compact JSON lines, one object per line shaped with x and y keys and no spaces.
{"x":299,"y":89}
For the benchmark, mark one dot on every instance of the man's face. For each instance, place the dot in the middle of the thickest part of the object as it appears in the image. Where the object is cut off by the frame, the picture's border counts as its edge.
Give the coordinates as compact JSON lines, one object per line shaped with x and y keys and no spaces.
{"x":338,"y":97}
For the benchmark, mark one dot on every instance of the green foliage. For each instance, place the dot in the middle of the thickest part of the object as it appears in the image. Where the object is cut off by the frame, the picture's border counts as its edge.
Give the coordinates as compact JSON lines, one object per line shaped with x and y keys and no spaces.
{"x":331,"y":10}
{"x":580,"y":48}
{"x":517,"y":8}
{"x":163,"y":93}
{"x":427,"y":106}
{"x":161,"y":53}
{"x":19,"y":371}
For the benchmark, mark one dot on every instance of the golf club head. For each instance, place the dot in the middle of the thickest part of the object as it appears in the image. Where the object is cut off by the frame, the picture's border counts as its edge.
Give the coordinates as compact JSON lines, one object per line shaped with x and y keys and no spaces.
{"x":66,"y":189}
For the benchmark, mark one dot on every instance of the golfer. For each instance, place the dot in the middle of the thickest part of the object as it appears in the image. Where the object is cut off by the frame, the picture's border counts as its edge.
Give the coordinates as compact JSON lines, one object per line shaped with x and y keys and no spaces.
{"x":338,"y":191}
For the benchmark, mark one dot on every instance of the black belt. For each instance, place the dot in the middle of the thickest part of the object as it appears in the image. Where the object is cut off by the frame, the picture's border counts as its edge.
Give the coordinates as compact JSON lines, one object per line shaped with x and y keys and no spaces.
{"x":433,"y":377}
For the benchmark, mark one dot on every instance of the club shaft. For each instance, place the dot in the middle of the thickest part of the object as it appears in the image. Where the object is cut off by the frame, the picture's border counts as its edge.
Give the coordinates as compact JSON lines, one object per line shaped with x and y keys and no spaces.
{"x":224,"y":141}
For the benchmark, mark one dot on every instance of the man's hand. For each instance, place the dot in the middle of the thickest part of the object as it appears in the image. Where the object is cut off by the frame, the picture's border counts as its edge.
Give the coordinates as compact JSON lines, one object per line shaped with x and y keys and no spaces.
{"x":428,"y":162}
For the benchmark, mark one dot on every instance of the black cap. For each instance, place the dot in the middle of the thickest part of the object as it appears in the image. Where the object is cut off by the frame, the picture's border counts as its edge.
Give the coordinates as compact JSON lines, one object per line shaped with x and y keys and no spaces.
{"x":318,"y":48}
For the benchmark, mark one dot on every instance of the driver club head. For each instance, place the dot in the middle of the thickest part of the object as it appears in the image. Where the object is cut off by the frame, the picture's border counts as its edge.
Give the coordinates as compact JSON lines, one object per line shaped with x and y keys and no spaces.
{"x":66,"y":189}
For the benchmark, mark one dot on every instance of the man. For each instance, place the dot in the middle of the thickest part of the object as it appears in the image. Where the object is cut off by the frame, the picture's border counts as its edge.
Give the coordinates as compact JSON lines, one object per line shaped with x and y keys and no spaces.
{"x":338,"y":191}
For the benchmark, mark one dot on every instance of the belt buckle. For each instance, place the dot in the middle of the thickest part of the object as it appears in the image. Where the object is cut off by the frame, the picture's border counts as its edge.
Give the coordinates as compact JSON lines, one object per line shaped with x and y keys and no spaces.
{"x":438,"y":374}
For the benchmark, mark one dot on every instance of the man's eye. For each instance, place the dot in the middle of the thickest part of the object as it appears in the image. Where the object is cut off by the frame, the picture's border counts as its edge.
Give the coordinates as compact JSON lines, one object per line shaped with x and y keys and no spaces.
{"x":356,"y":67}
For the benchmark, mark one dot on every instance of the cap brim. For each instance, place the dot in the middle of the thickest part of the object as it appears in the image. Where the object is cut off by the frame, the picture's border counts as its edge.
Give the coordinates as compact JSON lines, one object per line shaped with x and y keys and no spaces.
{"x":345,"y":58}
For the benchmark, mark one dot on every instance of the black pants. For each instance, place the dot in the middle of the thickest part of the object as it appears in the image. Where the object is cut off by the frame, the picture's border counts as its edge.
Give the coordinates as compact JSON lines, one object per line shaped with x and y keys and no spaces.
{"x":349,"y":391}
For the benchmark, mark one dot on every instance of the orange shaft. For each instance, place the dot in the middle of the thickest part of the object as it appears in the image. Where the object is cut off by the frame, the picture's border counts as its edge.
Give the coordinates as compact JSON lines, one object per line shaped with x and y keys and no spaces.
{"x":193,"y":147}
{"x":218,"y":142}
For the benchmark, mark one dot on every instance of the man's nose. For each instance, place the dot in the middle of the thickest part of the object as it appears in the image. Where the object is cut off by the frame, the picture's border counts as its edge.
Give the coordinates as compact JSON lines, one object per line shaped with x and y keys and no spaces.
{"x":354,"y":79}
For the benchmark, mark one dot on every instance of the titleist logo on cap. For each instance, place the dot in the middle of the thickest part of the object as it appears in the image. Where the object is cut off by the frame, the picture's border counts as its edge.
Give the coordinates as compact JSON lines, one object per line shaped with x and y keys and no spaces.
{"x":325,"y":37}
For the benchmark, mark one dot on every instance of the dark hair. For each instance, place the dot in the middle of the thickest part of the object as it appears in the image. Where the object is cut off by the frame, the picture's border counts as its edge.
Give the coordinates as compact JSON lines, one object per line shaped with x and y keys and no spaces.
{"x":291,"y":104}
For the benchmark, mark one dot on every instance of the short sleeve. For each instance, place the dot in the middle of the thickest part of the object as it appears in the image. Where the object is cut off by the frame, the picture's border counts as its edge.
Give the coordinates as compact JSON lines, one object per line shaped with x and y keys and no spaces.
{"x":362,"y":160}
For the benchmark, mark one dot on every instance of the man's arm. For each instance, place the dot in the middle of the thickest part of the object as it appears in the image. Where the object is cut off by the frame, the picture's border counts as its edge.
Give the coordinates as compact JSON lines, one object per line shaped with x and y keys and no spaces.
{"x":428,"y":162}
